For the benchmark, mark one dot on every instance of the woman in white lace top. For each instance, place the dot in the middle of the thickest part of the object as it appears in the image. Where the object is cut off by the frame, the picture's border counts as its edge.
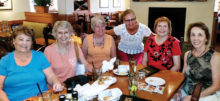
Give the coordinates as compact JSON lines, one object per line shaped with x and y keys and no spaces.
{"x":131,"y":33}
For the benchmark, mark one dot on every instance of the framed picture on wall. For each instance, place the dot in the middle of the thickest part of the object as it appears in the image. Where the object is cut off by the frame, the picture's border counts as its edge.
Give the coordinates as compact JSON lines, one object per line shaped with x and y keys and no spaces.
{"x":116,"y":3}
{"x":103,"y":3}
{"x":170,"y":0}
{"x":5,"y":4}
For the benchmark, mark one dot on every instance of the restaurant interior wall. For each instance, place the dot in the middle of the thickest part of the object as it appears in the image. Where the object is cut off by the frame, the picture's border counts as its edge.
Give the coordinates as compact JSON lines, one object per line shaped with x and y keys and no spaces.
{"x":196,"y":11}
{"x":17,"y":12}
{"x":95,"y":6}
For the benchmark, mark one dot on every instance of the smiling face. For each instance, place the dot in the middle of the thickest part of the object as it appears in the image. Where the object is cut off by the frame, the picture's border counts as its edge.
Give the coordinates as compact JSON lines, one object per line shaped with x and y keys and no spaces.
{"x":162,"y":28}
{"x":198,"y":37}
{"x":22,"y":43}
{"x":130,"y":21}
{"x":99,"y":29}
{"x":63,"y":35}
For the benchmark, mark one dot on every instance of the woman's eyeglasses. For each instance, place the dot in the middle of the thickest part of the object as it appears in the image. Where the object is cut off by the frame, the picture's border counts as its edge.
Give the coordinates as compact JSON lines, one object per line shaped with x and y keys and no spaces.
{"x":132,"y":19}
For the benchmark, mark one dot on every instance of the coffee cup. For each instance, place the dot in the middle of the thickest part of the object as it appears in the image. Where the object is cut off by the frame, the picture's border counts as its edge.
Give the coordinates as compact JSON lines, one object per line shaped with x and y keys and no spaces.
{"x":122,"y":69}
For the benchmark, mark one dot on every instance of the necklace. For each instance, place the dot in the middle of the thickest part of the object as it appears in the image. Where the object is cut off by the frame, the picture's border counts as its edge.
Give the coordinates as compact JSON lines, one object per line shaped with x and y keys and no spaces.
{"x":62,"y":49}
{"x":98,"y":43}
{"x":200,"y":53}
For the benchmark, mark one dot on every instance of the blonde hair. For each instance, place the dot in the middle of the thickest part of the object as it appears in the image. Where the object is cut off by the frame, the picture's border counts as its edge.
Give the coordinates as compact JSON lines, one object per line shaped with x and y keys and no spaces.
{"x":62,"y":24}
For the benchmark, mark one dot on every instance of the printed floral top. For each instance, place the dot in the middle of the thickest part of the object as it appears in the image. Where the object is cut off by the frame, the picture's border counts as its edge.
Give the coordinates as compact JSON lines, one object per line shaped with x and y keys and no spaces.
{"x":160,"y":56}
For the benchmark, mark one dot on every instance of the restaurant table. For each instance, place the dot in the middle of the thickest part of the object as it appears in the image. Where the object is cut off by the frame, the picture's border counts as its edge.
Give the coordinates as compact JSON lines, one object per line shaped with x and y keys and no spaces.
{"x":173,"y":82}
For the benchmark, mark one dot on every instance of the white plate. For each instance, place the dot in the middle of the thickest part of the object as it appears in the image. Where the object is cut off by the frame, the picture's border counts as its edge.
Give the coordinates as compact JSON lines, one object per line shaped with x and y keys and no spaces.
{"x":155,"y":81}
{"x":115,"y":71}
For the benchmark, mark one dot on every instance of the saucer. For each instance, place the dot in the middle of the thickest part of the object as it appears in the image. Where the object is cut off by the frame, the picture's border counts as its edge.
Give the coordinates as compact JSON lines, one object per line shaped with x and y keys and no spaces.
{"x":155,"y":81}
{"x":115,"y":71}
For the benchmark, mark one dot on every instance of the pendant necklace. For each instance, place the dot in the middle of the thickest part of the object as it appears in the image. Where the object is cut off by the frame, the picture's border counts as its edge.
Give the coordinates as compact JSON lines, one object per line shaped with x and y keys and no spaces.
{"x":200,"y":53}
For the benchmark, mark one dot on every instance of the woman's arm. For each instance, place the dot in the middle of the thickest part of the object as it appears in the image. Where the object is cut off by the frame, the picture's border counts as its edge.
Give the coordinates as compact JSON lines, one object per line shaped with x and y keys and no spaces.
{"x":110,"y":32}
{"x":215,"y":68}
{"x":83,"y":54}
{"x":185,"y":61}
{"x":176,"y":63}
{"x":113,"y":48}
{"x":52,"y":79}
{"x":3,"y":95}
{"x":144,"y":60}
{"x":85,"y":47}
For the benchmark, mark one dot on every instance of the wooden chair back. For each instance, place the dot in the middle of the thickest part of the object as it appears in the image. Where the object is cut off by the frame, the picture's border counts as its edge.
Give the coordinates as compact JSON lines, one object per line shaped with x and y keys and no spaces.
{"x":196,"y":92}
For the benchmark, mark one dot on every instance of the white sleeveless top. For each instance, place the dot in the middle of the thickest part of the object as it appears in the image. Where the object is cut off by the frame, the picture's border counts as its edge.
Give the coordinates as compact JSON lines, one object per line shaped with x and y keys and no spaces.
{"x":131,"y":44}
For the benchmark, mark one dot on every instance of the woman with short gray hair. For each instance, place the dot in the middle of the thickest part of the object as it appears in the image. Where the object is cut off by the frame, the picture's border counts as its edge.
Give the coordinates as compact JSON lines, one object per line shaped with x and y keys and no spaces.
{"x":98,"y":46}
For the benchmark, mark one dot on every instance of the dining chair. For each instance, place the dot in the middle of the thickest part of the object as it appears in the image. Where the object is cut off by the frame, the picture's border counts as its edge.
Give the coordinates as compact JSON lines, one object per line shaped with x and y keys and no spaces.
{"x":81,"y":23}
{"x":4,"y":49}
{"x":47,"y":31}
{"x":42,"y":48}
{"x":4,"y":25}
{"x":196,"y":92}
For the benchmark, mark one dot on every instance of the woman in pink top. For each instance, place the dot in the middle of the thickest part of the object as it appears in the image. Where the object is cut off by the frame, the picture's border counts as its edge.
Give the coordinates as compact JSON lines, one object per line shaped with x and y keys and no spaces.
{"x":61,"y":54}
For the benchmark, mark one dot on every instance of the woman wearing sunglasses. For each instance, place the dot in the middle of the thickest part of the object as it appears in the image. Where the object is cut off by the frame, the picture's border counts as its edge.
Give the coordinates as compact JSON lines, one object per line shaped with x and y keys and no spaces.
{"x":132,"y":34}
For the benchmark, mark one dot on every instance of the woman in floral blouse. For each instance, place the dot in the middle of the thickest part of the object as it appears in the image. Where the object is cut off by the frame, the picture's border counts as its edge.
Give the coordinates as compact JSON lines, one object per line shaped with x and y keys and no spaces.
{"x":162,"y":50}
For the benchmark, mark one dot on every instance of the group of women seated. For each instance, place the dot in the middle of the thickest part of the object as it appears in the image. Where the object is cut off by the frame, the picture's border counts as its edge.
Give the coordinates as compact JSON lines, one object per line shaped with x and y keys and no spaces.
{"x":24,"y":68}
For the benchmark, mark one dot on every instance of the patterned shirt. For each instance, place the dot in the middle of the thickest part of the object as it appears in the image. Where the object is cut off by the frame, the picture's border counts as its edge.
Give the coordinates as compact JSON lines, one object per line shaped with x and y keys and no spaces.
{"x":160,"y":56}
{"x":198,"y":70}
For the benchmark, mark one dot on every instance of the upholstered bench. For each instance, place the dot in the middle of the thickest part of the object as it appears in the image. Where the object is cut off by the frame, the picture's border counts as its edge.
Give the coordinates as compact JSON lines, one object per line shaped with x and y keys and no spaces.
{"x":38,"y":30}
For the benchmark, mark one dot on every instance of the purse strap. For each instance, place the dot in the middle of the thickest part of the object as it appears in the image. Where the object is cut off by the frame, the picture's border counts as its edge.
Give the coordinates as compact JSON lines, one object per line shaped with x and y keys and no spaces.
{"x":76,"y":51}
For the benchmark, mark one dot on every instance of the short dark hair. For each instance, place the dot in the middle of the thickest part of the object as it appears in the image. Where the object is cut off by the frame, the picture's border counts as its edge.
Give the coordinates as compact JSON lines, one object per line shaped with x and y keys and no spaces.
{"x":23,"y":30}
{"x":202,"y":26}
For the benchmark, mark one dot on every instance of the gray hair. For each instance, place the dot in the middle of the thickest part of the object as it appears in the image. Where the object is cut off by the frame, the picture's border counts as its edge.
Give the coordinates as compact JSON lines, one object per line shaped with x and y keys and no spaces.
{"x":62,"y":24}
{"x":97,"y":19}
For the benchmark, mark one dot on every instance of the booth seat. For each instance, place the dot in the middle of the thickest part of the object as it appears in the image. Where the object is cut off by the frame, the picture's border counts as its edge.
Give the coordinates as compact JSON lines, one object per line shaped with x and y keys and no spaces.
{"x":38,"y":30}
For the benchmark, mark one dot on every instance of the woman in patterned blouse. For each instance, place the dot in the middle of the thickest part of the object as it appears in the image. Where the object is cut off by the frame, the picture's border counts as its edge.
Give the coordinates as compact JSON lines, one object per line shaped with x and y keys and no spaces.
{"x":162,"y":50}
{"x":201,"y":65}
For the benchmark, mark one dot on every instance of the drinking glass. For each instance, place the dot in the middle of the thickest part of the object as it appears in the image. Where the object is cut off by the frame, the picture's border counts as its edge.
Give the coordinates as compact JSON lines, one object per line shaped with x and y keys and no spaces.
{"x":47,"y":96}
{"x":133,"y":66}
{"x":133,"y":85}
{"x":141,"y":75}
{"x":96,"y":73}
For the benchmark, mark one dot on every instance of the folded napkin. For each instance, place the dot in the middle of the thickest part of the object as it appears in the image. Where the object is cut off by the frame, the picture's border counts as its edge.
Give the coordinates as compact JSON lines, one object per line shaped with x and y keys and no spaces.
{"x":89,"y":92}
{"x":108,"y":65}
{"x":110,"y":95}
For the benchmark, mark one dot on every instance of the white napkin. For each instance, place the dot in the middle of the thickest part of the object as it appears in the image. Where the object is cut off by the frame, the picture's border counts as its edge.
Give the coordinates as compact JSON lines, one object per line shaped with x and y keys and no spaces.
{"x":113,"y":94}
{"x":81,"y":89}
{"x":108,"y":65}
{"x":88,"y":91}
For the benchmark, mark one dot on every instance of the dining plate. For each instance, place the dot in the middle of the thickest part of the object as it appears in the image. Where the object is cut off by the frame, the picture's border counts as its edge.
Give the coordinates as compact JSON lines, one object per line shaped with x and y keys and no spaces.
{"x":115,"y":71}
{"x":155,"y":81}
